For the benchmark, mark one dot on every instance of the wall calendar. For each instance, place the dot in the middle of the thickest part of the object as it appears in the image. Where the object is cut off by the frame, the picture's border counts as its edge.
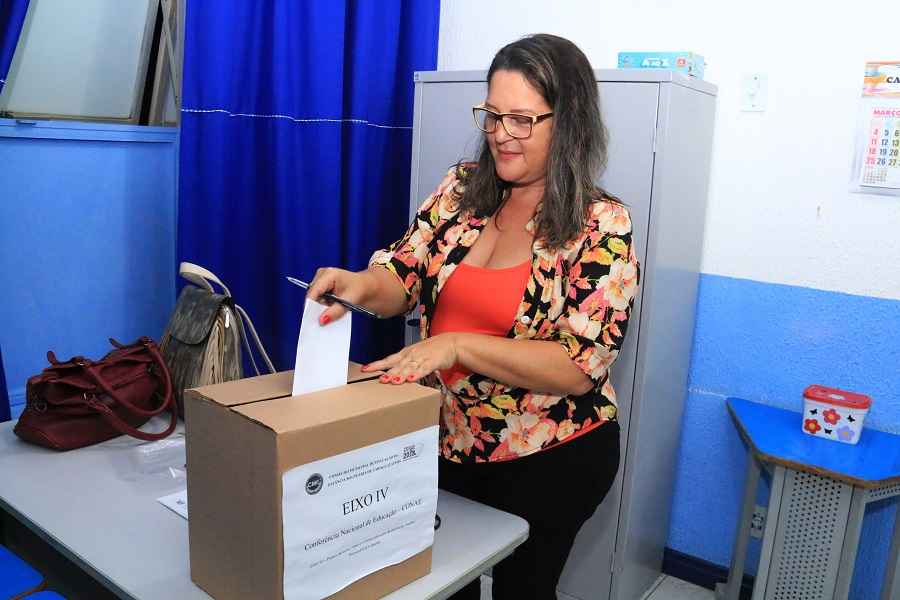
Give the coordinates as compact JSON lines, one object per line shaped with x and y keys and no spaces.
{"x":878,"y":158}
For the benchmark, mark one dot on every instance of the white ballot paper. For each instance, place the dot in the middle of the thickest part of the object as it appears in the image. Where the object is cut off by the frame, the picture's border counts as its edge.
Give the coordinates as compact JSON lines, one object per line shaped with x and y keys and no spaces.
{"x":349,"y":515}
{"x":322,"y":352}
{"x":176,"y":502}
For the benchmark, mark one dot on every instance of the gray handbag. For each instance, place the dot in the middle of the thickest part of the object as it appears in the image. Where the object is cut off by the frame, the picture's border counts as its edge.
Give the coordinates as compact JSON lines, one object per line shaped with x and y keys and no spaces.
{"x":202,"y":340}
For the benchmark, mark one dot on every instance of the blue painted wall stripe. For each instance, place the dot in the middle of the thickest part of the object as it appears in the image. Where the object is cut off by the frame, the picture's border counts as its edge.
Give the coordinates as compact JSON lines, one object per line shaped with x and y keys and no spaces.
{"x":87,"y":240}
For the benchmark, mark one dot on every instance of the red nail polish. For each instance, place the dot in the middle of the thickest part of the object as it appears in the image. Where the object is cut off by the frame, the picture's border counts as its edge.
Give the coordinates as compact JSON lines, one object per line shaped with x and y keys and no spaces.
{"x":411,"y":378}
{"x":364,"y":368}
{"x":384,"y":379}
{"x":325,"y":320}
{"x":397,"y":379}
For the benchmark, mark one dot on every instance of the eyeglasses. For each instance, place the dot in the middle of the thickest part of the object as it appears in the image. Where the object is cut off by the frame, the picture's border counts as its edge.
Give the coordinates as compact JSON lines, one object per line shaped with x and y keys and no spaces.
{"x":516,"y":125}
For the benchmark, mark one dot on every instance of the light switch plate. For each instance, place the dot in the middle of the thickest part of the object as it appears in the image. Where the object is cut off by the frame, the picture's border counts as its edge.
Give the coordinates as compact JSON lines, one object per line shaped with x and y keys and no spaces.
{"x":755,"y":92}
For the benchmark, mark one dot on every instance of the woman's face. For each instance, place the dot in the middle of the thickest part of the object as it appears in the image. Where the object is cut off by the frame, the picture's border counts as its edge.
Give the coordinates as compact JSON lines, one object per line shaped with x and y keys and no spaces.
{"x":521,"y":162}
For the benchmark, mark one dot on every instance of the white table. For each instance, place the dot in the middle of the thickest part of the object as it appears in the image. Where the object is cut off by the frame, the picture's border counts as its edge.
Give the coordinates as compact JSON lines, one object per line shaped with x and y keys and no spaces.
{"x":96,"y":508}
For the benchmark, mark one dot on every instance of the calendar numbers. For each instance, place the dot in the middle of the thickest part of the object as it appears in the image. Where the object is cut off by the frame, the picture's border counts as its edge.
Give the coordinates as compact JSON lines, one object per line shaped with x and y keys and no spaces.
{"x":881,"y":165}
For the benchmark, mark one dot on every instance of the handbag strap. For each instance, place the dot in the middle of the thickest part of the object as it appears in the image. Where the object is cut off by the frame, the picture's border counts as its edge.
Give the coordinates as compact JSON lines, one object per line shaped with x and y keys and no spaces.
{"x":160,"y":366}
{"x":168,"y":401}
{"x":243,"y":319}
{"x":201,"y":277}
{"x":123,"y":427}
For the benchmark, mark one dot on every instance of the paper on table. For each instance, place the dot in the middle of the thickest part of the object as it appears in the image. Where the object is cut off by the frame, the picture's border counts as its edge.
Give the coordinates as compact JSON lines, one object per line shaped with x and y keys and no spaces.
{"x":176,"y":502}
{"x":322,"y":352}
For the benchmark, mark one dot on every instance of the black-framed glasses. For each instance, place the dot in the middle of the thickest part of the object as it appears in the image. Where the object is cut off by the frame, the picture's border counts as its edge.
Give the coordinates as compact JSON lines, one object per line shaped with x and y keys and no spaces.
{"x":516,"y":125}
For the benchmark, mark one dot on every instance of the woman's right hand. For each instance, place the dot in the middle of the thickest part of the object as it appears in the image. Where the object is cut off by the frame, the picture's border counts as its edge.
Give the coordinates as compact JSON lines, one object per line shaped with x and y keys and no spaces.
{"x":354,"y":287}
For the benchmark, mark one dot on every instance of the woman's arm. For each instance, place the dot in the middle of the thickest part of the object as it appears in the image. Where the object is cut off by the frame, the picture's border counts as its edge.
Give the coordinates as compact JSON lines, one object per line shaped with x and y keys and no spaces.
{"x":386,"y":296}
{"x":376,"y":288}
{"x":542,"y":366}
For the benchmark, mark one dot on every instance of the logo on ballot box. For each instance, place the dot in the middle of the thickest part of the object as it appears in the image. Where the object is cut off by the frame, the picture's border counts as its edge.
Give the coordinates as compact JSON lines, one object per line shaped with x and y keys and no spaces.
{"x":314,"y":484}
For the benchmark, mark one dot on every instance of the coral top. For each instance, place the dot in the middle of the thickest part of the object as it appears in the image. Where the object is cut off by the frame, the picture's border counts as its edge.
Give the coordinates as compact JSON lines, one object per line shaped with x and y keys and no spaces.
{"x":479,"y":300}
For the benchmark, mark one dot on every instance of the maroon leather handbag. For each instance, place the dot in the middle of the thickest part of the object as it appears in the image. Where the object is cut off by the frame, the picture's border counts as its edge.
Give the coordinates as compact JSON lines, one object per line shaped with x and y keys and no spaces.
{"x":82,"y":402}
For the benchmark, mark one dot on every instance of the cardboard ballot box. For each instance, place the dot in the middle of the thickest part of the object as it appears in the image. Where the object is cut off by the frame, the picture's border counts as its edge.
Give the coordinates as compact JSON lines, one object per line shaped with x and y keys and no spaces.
{"x":328,"y":494}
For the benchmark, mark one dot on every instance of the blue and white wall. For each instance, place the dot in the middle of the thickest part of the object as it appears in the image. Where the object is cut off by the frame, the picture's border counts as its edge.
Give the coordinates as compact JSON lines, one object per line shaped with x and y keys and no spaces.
{"x":800,"y":276}
{"x":87,"y":210}
{"x":87,"y":240}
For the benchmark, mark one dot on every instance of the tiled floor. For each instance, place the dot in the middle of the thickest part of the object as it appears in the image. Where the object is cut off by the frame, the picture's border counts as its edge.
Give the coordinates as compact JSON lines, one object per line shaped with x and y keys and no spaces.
{"x":665,"y":588}
{"x":669,"y":588}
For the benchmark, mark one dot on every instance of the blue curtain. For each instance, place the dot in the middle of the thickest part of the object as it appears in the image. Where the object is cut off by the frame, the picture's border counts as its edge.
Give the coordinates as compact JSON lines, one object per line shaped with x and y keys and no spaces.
{"x":4,"y":395}
{"x":12,"y":16}
{"x":295,"y":147}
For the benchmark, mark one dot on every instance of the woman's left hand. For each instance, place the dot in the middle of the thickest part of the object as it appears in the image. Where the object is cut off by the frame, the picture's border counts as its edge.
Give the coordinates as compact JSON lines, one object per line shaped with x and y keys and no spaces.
{"x":419,"y":360}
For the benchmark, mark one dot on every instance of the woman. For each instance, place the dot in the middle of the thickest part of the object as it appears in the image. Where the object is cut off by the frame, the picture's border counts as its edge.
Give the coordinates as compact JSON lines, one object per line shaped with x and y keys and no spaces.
{"x":525,"y":277}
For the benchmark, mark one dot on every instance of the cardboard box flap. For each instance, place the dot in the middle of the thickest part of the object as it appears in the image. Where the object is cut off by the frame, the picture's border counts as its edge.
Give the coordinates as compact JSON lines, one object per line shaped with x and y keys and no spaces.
{"x":265,"y":387}
{"x":328,"y":406}
{"x":354,"y":373}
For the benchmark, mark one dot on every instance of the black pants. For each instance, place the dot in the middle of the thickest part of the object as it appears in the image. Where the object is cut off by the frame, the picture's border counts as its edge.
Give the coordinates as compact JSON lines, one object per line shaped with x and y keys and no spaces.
{"x":555,"y":490}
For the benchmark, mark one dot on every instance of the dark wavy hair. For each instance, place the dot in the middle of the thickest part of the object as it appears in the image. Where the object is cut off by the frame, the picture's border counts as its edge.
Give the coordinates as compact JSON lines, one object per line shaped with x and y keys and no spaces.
{"x":560,"y":71}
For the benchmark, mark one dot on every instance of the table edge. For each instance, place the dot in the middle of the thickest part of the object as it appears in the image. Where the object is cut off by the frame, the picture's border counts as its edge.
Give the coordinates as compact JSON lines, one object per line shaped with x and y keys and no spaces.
{"x":70,"y":555}
{"x":806,"y":468}
{"x":448,"y":590}
{"x":116,"y":589}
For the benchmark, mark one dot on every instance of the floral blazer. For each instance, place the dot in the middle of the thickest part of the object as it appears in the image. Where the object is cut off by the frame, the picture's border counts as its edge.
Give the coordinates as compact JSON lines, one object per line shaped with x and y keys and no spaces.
{"x":579,"y":296}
